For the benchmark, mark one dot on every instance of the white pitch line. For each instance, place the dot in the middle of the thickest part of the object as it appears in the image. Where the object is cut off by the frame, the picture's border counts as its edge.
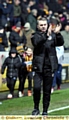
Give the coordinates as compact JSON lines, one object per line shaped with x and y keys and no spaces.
{"x":57,"y":109}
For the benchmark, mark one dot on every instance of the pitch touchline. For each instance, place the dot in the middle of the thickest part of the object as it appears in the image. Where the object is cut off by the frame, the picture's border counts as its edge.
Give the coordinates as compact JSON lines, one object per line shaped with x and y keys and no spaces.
{"x":57,"y":109}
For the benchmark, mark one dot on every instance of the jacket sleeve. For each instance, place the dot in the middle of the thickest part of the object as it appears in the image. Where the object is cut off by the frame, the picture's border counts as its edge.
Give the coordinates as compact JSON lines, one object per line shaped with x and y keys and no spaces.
{"x":59,"y":40}
{"x":38,"y":39}
{"x":12,"y":39}
{"x":4,"y":66}
{"x":5,"y":42}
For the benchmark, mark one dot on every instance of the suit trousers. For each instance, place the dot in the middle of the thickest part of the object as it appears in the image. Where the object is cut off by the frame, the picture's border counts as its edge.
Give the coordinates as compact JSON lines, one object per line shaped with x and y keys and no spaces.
{"x":44,"y":80}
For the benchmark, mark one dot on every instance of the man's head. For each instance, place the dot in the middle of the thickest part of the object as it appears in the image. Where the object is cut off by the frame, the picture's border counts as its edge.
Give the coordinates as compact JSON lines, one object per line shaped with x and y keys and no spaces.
{"x":27,"y":26}
{"x":34,"y":12}
{"x":67,"y":26}
{"x":42,"y":24}
{"x":16,"y":2}
{"x":31,"y":2}
{"x":17,"y":27}
{"x":54,"y":22}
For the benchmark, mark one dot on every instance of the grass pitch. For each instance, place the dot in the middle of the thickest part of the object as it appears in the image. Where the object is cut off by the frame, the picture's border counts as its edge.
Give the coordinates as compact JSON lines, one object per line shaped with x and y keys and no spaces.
{"x":24,"y":105}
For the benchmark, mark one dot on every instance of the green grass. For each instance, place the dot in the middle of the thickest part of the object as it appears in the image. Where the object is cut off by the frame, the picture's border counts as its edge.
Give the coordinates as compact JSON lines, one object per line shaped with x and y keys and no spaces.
{"x":24,"y":105}
{"x":61,"y":112}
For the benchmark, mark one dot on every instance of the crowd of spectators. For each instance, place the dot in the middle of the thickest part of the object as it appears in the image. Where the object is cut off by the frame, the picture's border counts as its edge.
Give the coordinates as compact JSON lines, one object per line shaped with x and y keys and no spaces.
{"x":23,"y":11}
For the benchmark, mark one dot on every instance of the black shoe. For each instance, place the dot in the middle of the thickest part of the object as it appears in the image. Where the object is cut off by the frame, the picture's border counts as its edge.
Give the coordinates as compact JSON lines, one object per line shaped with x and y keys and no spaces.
{"x":35,"y":112}
{"x":44,"y":113}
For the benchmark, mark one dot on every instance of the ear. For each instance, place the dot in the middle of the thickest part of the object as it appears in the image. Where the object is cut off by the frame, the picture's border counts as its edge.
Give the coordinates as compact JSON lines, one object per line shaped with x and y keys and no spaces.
{"x":37,"y":26}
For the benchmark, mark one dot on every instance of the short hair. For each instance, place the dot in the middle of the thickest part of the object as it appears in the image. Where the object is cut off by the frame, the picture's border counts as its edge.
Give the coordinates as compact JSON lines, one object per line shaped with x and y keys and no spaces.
{"x":34,"y":11}
{"x":40,"y":18}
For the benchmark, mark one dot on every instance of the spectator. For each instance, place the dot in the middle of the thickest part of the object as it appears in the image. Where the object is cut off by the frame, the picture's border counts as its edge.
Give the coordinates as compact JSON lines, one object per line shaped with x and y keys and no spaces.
{"x":17,"y":37}
{"x":25,"y":72}
{"x":24,"y":11}
{"x":57,"y":75}
{"x":54,"y":6}
{"x":32,"y":19}
{"x":33,"y":5}
{"x":3,"y":38}
{"x":16,"y":12}
{"x":28,"y":32}
{"x":7,"y":13}
{"x":12,"y":62}
{"x":65,"y":34}
{"x":62,"y":18}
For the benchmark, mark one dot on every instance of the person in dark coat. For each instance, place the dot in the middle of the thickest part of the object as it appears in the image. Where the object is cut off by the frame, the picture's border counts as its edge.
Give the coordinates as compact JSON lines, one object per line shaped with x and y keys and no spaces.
{"x":24,"y":11}
{"x":12,"y":63}
{"x":17,"y":37}
{"x":3,"y":38}
{"x":45,"y":62}
{"x":7,"y":13}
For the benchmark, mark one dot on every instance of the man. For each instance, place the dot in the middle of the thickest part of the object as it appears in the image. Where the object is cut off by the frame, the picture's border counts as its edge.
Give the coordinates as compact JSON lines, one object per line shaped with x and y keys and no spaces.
{"x":65,"y":34}
{"x":32,"y":19}
{"x":44,"y":62}
{"x":17,"y":37}
{"x":28,"y":32}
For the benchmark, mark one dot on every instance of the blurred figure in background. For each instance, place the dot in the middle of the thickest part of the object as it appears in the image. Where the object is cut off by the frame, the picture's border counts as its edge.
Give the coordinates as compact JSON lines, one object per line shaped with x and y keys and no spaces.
{"x":28,"y":32}
{"x":32,"y":19}
{"x":17,"y":37}
{"x":7,"y":14}
{"x":16,"y":12}
{"x":65,"y":34}
{"x":26,"y":69}
{"x":25,"y":72}
{"x":58,"y":74}
{"x":24,"y":11}
{"x":3,"y":38}
{"x":12,"y":63}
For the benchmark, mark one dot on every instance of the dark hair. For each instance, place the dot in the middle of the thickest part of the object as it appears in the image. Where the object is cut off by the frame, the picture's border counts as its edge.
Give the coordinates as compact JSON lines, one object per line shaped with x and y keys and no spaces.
{"x":54,"y":20}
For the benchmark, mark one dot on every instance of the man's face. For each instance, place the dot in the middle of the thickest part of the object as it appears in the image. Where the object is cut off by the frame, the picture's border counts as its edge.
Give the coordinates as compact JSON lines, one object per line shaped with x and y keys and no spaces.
{"x":26,"y":28}
{"x":42,"y":25}
{"x":17,"y":2}
{"x":67,"y":28}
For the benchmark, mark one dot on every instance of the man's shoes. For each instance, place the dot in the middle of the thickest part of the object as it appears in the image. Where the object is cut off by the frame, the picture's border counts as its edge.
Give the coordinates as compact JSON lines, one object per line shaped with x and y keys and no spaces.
{"x":20,"y":94}
{"x":29,"y":93}
{"x":44,"y":113}
{"x":35,"y":112}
